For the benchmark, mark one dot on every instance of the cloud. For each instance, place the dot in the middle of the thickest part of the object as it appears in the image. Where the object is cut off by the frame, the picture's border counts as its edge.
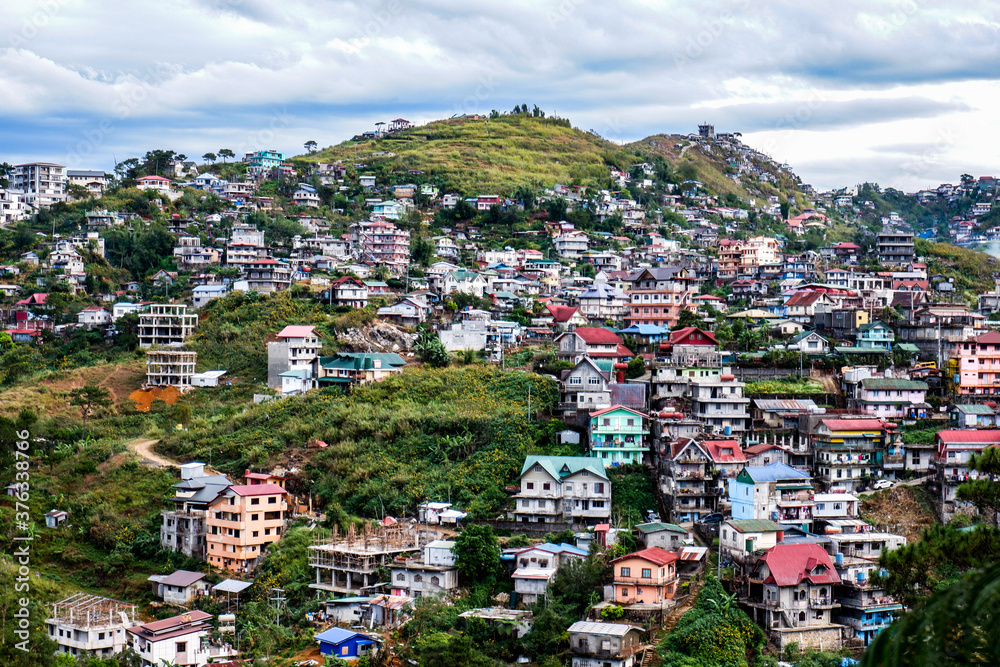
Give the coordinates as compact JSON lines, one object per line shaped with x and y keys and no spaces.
{"x":206,"y":73}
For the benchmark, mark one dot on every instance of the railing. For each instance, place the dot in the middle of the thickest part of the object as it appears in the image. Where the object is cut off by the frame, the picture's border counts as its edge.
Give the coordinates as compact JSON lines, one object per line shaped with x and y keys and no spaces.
{"x":822,"y":602}
{"x":644,"y":581}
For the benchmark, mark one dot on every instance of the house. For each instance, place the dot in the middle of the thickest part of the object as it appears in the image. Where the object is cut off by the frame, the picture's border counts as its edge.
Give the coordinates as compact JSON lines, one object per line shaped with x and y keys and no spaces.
{"x":348,"y":291}
{"x":618,"y":436}
{"x":94,"y":316}
{"x":564,"y":317}
{"x":55,"y":518}
{"x":689,"y":479}
{"x":591,"y":342}
{"x":345,"y":644}
{"x":809,"y":342}
{"x":776,"y":492}
{"x":434,"y":573}
{"x":180,"y":588}
{"x":892,"y":398}
{"x":802,"y":306}
{"x":875,"y":336}
{"x":668,"y":536}
{"x":790,"y":593}
{"x":658,"y":296}
{"x":408,"y":312}
{"x":978,"y":364}
{"x":648,"y":576}
{"x":557,"y":489}
{"x":718,"y":402}
{"x":241,"y":522}
{"x":84,"y":624}
{"x":782,"y":413}
{"x":952,"y":462}
{"x":604,"y":644}
{"x":306,"y":195}
{"x":156,"y":183}
{"x":296,"y":349}
{"x":202,"y":294}
{"x":744,"y":540}
{"x":183,"y":529}
{"x":847,"y":450}
{"x":179,"y":640}
{"x":975,"y":415}
{"x":690,"y":346}
{"x":536,"y":565}
{"x":354,"y":368}
{"x":602,"y":302}
{"x":586,"y":387}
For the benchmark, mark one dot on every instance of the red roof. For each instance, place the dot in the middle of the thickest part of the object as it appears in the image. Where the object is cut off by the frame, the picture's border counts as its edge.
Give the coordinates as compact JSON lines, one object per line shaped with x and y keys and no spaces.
{"x":806,"y":298}
{"x":686,"y":336}
{"x":185,"y":619}
{"x":790,"y":564}
{"x":978,"y":437}
{"x":562,"y":313}
{"x":854,"y":424}
{"x":598,"y":336}
{"x":715,"y":448}
{"x":257,"y":489}
{"x":620,"y":351}
{"x":990,"y":337}
{"x":654,"y":555}
{"x":152,"y":178}
{"x":36,"y":299}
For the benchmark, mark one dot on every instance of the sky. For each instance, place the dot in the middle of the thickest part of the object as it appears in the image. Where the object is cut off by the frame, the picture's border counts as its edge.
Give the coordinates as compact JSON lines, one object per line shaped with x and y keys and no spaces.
{"x":898,"y":92}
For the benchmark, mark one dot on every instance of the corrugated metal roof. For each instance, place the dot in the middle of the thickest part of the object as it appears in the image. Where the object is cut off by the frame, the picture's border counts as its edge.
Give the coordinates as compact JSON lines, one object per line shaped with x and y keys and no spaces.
{"x":975,"y":409}
{"x":656,"y":527}
{"x":771,"y":404}
{"x":630,"y":394}
{"x":893,"y":384}
{"x":754,"y":526}
{"x":790,"y":564}
{"x":773,"y":472}
{"x":612,"y":629}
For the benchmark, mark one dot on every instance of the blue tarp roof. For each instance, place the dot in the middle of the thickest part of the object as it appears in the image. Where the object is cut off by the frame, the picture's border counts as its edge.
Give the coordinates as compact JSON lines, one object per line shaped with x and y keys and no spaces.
{"x":774,"y":472}
{"x":644,"y":330}
{"x":339,"y":636}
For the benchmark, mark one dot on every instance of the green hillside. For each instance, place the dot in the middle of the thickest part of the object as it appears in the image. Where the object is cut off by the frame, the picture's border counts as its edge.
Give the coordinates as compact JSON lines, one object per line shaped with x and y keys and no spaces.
{"x":486,"y":155}
{"x":474,"y":156}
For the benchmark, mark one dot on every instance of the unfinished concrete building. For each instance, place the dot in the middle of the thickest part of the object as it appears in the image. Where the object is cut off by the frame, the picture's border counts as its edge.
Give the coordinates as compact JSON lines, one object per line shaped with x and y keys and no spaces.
{"x":184,"y":528}
{"x":166,"y":325}
{"x":84,"y":624}
{"x":349,"y":565}
{"x":171,"y":368}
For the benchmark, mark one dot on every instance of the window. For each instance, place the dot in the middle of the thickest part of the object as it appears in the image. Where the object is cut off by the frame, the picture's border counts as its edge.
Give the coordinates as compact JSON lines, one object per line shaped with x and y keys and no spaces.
{"x":546,"y":486}
{"x":417,"y":578}
{"x":624,"y":592}
{"x":598,"y":487}
{"x":254,"y":517}
{"x":626,"y":572}
{"x":401,"y":577}
{"x":272,"y":500}
{"x":181,"y":647}
{"x":606,"y":422}
{"x":538,"y":468}
{"x":530,"y":485}
{"x":647,"y":573}
{"x":630,"y":422}
{"x":568,"y":488}
{"x":255,"y":501}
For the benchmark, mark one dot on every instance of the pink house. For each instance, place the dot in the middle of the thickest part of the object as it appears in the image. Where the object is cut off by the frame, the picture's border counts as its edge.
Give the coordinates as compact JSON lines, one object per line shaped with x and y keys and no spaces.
{"x":979,"y":364}
{"x":648,"y":576}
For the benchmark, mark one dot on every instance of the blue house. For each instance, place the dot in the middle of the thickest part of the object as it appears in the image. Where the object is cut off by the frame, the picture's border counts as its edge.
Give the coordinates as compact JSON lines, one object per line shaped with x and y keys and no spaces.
{"x":776,"y":492}
{"x":344,"y":644}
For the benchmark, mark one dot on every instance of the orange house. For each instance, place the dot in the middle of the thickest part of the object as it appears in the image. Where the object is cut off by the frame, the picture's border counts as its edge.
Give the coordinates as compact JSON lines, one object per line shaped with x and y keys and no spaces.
{"x":242,"y":521}
{"x":648,"y":576}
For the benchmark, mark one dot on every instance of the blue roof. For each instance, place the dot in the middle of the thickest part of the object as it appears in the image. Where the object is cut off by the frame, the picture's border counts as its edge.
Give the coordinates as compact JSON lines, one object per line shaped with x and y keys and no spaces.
{"x":644,"y":330}
{"x":338,"y":636}
{"x":561,"y":548}
{"x":774,"y":472}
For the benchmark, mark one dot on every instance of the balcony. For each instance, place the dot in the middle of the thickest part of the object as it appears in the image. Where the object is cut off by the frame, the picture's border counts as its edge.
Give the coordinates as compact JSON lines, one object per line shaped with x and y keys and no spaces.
{"x":825,"y":602}
{"x":645,"y":581}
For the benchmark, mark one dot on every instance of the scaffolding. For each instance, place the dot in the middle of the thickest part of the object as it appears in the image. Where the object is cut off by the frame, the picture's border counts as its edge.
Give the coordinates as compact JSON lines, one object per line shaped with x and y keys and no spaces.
{"x":170,"y":368}
{"x":85,"y":612}
{"x":351,"y":564}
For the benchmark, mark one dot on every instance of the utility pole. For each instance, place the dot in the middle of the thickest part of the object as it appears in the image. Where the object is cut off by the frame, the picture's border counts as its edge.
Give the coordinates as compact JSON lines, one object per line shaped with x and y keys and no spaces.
{"x":529,"y":402}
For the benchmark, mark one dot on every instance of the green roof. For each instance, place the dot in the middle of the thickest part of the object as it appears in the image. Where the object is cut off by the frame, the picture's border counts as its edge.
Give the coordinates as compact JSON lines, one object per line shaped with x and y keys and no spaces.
{"x":361,"y":360}
{"x":803,"y":334}
{"x":893,"y":384}
{"x":561,"y":466}
{"x":850,"y":349}
{"x":872,"y":325}
{"x":908,"y":347}
{"x":974,"y":409}
{"x":604,"y":364}
{"x":754,"y":526}
{"x":656,"y":527}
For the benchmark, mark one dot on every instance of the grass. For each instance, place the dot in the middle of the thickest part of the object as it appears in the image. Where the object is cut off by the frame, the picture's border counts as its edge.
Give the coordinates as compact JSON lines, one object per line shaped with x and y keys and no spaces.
{"x":45,"y":393}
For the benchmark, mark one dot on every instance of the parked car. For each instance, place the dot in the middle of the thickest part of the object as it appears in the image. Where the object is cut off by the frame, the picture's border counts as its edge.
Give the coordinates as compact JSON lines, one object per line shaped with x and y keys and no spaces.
{"x":714,"y":517}
{"x":882,"y":484}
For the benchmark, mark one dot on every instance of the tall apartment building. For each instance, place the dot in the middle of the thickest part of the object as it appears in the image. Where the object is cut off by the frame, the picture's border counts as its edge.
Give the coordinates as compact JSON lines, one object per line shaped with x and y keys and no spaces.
{"x":978,"y":361}
{"x":266,"y":275}
{"x":555,"y":489}
{"x":184,"y":528}
{"x":297,"y":349}
{"x":658,"y":296}
{"x":170,"y":368}
{"x":43,"y":183}
{"x":846,"y":450}
{"x":84,"y":624}
{"x":743,"y":258}
{"x":241,"y":522}
{"x":895,"y":248}
{"x":382,"y":244}
{"x":618,"y":436}
{"x":94,"y":181}
{"x":166,"y":325}
{"x":718,"y":402}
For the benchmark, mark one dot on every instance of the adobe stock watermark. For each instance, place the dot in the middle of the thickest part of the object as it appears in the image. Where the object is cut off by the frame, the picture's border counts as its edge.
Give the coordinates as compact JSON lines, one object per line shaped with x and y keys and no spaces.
{"x":918,"y":165}
{"x":563,"y":11}
{"x":707,"y":34}
{"x":131,"y":96}
{"x":32,"y":25}
{"x":473,"y":103}
{"x":24,"y":534}
{"x":378,"y":22}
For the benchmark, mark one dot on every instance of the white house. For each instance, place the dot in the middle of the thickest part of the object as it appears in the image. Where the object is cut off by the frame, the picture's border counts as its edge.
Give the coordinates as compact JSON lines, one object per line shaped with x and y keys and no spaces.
{"x":181,"y":587}
{"x":94,"y":316}
{"x":123,"y":308}
{"x":179,"y":640}
{"x":202,"y":294}
{"x":157,"y":183}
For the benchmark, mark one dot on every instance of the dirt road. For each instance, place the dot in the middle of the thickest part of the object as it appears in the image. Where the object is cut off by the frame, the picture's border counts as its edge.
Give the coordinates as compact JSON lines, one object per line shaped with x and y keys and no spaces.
{"x":144,"y":448}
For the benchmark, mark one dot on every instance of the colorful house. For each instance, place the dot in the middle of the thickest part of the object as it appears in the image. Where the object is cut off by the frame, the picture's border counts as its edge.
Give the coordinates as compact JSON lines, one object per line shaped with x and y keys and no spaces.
{"x":648,"y":576}
{"x":345,"y":644}
{"x":978,"y":364}
{"x":618,"y":436}
{"x":893,"y":398}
